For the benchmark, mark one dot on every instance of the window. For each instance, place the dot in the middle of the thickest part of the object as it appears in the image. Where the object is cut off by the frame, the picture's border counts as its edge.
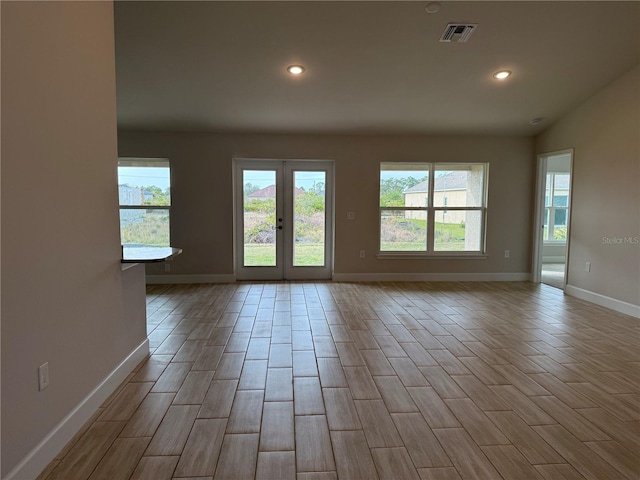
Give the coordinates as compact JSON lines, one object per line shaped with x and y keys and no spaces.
{"x":144,"y":189}
{"x":556,"y":202}
{"x":432,"y":208}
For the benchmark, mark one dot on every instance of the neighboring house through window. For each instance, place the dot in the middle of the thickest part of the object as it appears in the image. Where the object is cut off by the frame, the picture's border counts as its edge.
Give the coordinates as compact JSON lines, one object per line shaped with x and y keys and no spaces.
{"x":144,"y":190}
{"x":433,"y":208}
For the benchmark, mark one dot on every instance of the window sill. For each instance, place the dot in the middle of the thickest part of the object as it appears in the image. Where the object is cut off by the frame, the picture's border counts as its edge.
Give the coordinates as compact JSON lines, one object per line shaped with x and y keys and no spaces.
{"x":431,"y":256}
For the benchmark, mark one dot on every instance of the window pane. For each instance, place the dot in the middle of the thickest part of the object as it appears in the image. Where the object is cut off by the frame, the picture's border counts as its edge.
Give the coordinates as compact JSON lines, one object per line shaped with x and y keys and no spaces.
{"x":561,"y":182}
{"x":144,"y":185}
{"x":559,"y":232}
{"x":458,"y":186}
{"x":458,"y":230}
{"x":144,"y":227}
{"x":560,"y":200}
{"x":259,"y":218}
{"x":560,"y":217}
{"x":403,"y":230}
{"x":309,"y":218}
{"x":404,"y":185}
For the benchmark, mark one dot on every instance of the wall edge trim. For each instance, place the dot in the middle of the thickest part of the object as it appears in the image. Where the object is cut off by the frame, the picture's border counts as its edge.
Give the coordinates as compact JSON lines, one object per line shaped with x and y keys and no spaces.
{"x":37,"y":459}
{"x":603,"y":301}
{"x":431,"y":277}
{"x":183,"y":279}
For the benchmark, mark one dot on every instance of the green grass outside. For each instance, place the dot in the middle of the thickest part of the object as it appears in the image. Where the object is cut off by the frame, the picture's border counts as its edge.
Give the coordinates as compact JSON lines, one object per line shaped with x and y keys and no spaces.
{"x":449,"y":237}
{"x":306,"y":254}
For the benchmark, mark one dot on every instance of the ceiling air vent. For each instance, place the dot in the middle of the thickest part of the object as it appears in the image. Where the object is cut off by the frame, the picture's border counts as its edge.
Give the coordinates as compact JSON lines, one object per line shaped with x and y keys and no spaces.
{"x":458,"y":32}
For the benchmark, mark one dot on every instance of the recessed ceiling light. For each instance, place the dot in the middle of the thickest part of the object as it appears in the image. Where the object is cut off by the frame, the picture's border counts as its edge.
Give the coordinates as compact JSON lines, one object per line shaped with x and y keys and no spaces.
{"x":295,"y":69}
{"x":502,"y":74}
{"x":433,"y":7}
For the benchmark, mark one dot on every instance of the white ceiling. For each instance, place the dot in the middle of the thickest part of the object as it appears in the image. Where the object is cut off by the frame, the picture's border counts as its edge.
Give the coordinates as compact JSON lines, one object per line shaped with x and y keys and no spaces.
{"x":372,"y":67}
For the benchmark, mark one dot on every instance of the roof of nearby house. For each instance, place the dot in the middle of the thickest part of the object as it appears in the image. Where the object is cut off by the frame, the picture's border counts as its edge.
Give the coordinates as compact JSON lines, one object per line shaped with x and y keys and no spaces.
{"x":456,"y":180}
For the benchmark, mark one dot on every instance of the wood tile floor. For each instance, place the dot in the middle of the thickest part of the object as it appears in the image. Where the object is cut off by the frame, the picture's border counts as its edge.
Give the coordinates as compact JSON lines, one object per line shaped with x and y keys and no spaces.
{"x":320,"y":381}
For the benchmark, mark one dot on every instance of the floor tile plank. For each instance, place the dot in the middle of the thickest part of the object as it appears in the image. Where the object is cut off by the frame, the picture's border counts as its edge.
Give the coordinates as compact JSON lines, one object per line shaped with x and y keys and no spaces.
{"x":353,"y":457}
{"x":238,"y":457}
{"x":277,"y":432}
{"x":202,"y":449}
{"x":313,"y":444}
{"x":394,"y":464}
{"x":377,"y":424}
{"x":276,"y":465}
{"x":421,"y":443}
{"x":87,"y":453}
{"x":465,"y":454}
{"x":246,"y":412}
{"x":173,"y":431}
{"x":155,"y":468}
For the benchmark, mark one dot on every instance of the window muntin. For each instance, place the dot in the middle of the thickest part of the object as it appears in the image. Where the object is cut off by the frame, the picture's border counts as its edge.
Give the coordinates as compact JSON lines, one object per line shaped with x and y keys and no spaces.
{"x":432,"y":208}
{"x":144,"y":191}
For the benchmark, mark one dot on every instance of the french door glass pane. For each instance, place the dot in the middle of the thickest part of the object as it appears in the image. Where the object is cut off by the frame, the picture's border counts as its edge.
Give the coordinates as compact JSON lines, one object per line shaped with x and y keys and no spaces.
{"x":457,"y":230}
{"x":309,"y":218}
{"x":259,"y":212}
{"x":403,"y":230}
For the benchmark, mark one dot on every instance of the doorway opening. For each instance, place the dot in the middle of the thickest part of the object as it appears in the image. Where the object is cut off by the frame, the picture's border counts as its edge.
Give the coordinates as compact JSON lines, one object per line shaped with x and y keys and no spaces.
{"x":553,"y":213}
{"x":283,"y":219}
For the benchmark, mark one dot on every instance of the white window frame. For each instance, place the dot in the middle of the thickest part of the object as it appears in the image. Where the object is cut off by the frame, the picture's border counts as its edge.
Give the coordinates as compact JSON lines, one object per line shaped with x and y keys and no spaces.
{"x":431,"y":210}
{"x":153,"y":163}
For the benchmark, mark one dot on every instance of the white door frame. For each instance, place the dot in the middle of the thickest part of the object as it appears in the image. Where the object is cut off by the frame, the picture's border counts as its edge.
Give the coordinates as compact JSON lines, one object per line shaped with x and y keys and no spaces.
{"x":538,"y":226}
{"x":284,"y":269}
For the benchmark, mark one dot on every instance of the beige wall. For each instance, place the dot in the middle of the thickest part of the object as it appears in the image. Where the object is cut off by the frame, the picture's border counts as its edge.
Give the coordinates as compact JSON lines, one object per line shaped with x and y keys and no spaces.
{"x":202,"y":193}
{"x":606,"y":194}
{"x":62,"y":289}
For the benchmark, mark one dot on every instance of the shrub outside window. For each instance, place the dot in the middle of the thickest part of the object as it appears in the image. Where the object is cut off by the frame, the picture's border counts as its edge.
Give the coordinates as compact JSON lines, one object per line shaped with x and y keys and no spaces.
{"x":144,"y":191}
{"x":433,"y":208}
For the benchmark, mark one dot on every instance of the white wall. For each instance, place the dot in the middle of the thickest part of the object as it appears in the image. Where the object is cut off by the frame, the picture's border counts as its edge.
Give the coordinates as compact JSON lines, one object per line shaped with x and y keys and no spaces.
{"x":606,"y":194}
{"x":202,"y":195}
{"x":62,"y":289}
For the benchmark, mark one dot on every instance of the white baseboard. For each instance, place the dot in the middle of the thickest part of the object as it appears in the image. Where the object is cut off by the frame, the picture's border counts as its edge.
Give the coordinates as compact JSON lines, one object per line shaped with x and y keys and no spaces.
{"x":356,"y":277}
{"x":431,"y":277}
{"x":176,"y":279}
{"x":604,"y":301}
{"x":32,"y":465}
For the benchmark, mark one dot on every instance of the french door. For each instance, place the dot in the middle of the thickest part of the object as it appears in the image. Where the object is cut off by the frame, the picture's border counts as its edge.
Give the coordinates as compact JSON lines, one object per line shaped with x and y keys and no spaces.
{"x":283,"y":219}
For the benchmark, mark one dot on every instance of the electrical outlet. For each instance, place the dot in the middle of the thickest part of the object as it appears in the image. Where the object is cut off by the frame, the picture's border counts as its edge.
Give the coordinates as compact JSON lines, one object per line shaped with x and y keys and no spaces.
{"x":506,"y":254}
{"x":351,"y":215}
{"x":361,"y":253}
{"x":43,"y":376}
{"x":167,"y":267}
{"x":587,"y":267}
